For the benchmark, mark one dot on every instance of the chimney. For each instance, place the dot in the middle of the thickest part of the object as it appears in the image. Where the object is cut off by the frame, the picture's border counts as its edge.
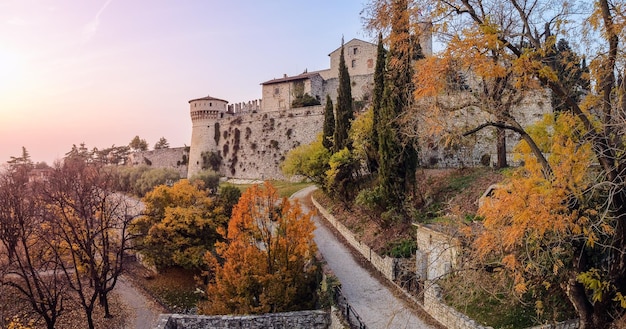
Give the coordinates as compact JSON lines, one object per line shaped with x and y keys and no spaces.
{"x":285,"y":75}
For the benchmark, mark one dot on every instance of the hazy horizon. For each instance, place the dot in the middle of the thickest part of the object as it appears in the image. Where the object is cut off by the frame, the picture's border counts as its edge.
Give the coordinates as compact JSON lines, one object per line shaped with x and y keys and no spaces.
{"x":102,"y":72}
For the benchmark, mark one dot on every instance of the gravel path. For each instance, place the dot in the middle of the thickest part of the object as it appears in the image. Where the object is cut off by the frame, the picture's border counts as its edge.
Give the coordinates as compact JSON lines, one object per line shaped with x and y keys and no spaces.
{"x":144,"y":311}
{"x":374,"y":302}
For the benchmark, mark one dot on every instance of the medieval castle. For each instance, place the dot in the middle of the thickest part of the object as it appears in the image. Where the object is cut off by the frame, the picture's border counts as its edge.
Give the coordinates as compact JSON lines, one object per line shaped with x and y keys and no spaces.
{"x":249,"y":140}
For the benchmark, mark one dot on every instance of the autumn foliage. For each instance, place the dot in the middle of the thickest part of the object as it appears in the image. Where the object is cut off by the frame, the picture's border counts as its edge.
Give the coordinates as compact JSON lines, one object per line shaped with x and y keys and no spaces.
{"x":180,"y":224}
{"x":267,"y":263}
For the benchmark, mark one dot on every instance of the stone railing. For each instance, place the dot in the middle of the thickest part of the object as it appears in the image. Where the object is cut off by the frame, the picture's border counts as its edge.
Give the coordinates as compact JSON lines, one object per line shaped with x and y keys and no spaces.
{"x":385,"y":265}
{"x":303,"y":319}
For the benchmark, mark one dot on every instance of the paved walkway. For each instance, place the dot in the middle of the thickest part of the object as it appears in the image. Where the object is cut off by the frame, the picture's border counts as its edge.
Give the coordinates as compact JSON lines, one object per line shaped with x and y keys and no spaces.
{"x":374,"y":302}
{"x":144,"y":311}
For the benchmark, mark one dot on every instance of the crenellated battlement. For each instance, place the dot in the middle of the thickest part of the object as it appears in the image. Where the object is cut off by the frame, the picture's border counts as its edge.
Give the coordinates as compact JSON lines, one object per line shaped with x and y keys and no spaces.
{"x":245,"y":107}
{"x":204,"y":115}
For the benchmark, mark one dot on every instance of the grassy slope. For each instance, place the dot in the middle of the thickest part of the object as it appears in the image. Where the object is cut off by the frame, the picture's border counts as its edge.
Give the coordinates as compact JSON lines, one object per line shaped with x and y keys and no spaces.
{"x":284,"y":188}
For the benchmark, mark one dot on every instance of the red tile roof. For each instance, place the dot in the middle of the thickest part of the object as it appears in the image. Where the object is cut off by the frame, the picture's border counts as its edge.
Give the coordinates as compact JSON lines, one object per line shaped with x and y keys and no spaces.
{"x":293,"y":78}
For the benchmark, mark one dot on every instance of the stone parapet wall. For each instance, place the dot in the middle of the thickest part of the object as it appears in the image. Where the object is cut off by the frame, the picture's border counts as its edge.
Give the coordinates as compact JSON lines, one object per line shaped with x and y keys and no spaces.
{"x":385,"y":265}
{"x":175,"y":158}
{"x":296,"y":320}
{"x":245,"y":107}
{"x":569,"y":324}
{"x":453,"y":319}
{"x":446,"y":315}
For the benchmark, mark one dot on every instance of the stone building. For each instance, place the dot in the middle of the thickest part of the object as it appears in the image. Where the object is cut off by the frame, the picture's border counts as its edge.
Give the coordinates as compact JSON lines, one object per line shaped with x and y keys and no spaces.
{"x":252,"y":138}
{"x":360,"y":57}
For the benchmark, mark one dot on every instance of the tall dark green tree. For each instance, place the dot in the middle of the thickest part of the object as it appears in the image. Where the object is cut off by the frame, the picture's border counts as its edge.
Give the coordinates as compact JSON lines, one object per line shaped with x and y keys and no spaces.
{"x":344,"y":114}
{"x":570,"y":69}
{"x":377,"y":99}
{"x":329,"y":124}
{"x":398,"y":157}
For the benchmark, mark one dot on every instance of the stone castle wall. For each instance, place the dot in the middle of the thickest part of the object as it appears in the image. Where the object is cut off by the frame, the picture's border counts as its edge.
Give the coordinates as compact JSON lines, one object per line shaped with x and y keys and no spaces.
{"x":479,"y":149}
{"x":176,"y":158}
{"x":245,"y":107}
{"x":252,"y":146}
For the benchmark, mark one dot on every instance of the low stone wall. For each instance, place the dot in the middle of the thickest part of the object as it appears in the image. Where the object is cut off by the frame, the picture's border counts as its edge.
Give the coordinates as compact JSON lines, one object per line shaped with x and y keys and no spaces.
{"x":446,"y":315}
{"x":385,"y":265}
{"x":569,"y":324}
{"x":302,"y":319}
{"x":453,"y":319}
{"x":174,"y":158}
{"x":433,"y":304}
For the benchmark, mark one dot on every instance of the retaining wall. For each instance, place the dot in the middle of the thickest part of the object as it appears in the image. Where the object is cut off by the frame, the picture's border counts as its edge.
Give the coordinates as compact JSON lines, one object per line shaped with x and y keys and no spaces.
{"x":433,"y":303}
{"x":385,"y":265}
{"x":288,"y":320}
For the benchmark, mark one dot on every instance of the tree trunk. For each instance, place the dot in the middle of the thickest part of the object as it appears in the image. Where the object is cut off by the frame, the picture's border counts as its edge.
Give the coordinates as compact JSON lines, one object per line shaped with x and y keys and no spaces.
{"x":50,"y":322}
{"x":90,"y":321}
{"x":501,"y":148}
{"x":104,"y":302}
{"x":576,"y":294}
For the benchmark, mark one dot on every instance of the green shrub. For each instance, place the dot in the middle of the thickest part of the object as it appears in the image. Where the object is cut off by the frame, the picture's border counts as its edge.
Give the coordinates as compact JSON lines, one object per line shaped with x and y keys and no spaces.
{"x":154,"y":177}
{"x":370,"y":198}
{"x":209,"y":178}
{"x":304,"y":101}
{"x":402,"y":249}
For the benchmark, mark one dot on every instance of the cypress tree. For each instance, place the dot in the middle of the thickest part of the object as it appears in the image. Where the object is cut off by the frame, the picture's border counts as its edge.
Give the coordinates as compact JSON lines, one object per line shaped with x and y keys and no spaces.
{"x":377,"y":99}
{"x":398,"y":157}
{"x":567,"y":65}
{"x":344,"y":114}
{"x":329,"y":124}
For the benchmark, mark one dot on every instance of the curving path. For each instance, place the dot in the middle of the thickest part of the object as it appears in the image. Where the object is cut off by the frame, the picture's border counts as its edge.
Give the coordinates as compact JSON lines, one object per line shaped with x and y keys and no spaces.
{"x":375,"y":303}
{"x":144,"y":311}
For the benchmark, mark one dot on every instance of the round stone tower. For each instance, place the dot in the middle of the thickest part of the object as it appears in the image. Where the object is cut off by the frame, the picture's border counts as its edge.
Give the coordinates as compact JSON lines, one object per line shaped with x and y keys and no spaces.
{"x":205,"y":114}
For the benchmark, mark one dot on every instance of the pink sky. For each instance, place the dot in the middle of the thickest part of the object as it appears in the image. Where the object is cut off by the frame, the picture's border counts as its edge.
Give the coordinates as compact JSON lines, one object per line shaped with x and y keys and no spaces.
{"x":103,"y":71}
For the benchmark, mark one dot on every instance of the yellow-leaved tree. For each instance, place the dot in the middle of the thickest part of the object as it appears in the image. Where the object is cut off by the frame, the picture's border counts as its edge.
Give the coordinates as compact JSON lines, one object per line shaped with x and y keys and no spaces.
{"x":267,"y":263}
{"x":180,"y":224}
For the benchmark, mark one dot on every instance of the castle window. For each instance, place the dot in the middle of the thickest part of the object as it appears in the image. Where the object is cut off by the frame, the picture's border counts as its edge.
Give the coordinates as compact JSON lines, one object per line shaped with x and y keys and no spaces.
{"x":370,"y":63}
{"x":354,"y":50}
{"x":354,"y":63}
{"x":276,"y":91}
{"x":210,"y":104}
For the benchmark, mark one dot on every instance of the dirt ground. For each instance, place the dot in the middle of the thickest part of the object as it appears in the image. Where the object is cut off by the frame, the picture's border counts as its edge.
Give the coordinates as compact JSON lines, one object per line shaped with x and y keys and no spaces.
{"x":14,"y":307}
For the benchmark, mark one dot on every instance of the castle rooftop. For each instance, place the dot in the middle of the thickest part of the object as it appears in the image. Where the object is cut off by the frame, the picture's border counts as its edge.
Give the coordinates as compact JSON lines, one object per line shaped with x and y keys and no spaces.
{"x":208,"y":98}
{"x":293,"y":78}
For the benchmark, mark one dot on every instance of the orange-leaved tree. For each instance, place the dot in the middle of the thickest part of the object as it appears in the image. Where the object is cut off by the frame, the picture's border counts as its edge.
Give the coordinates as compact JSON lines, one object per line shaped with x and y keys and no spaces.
{"x":268,"y":262}
{"x":539,"y":228}
{"x":523,"y":34}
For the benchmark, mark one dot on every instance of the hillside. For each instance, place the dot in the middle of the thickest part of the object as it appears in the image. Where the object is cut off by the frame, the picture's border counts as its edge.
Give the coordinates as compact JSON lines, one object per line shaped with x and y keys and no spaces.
{"x":448,"y":194}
